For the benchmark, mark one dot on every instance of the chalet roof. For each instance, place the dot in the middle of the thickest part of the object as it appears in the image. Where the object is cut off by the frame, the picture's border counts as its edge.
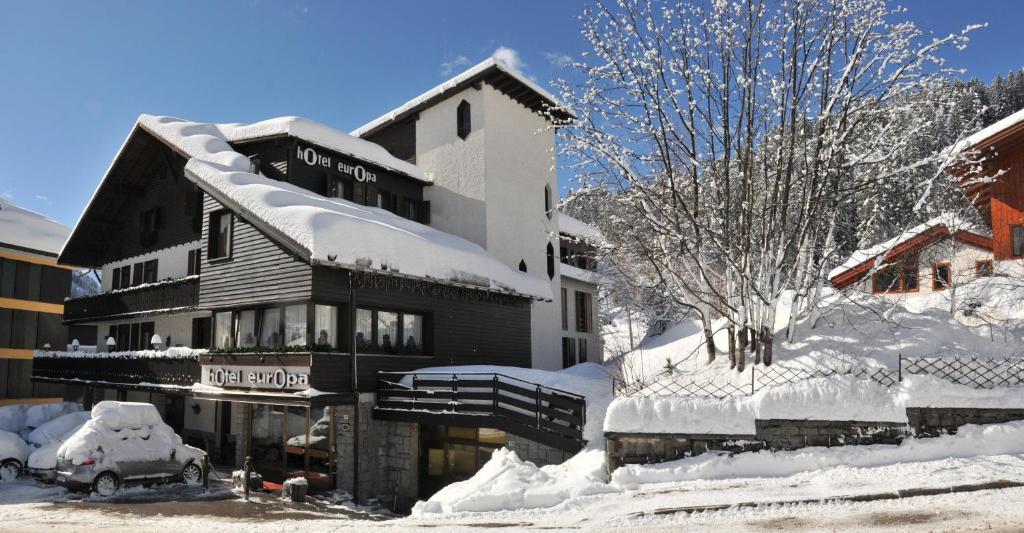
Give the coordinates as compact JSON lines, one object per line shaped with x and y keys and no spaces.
{"x":987,"y":134}
{"x":945,"y":225}
{"x":30,"y":231}
{"x":491,"y":71}
{"x":329,"y":230}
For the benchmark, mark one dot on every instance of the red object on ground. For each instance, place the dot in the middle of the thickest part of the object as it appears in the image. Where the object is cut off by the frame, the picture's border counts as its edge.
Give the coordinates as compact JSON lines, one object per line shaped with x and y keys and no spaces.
{"x":272,"y":486}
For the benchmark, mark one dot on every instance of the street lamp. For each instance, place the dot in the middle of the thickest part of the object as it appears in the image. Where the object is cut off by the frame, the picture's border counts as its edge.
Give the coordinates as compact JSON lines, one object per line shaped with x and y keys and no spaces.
{"x":111,"y":343}
{"x":156,"y":341}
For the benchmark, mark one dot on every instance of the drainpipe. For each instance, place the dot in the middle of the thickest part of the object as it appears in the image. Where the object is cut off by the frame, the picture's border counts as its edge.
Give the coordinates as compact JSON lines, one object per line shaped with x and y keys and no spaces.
{"x":355,"y":386}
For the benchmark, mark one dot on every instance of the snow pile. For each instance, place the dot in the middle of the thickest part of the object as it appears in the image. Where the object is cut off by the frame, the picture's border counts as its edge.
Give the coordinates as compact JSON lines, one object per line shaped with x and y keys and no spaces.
{"x":589,"y":380}
{"x":833,"y":398}
{"x":13,"y":447}
{"x":951,"y":222}
{"x":333,"y":230}
{"x":125,"y":431}
{"x":28,"y":229}
{"x":579,"y":229}
{"x":507,"y":482}
{"x":39,"y":414}
{"x":296,"y":481}
{"x":969,"y":441}
{"x":12,"y":417}
{"x":54,"y":430}
{"x":45,"y":457}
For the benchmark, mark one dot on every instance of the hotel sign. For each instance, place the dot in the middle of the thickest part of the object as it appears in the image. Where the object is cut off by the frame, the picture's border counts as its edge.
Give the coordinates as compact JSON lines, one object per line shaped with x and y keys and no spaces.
{"x":313,"y":158}
{"x":256,"y":377}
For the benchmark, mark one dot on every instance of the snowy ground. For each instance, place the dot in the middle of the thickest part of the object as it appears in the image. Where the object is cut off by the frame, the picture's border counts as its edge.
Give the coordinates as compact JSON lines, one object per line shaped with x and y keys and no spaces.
{"x":24,"y":507}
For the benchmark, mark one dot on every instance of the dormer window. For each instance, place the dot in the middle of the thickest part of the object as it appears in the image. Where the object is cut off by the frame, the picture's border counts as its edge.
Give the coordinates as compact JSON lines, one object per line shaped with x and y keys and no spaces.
{"x":462,"y":119}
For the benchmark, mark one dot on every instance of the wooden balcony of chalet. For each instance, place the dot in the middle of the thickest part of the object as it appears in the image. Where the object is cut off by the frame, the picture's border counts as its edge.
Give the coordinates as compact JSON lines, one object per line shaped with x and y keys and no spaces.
{"x":123,"y":369}
{"x":179,"y":295}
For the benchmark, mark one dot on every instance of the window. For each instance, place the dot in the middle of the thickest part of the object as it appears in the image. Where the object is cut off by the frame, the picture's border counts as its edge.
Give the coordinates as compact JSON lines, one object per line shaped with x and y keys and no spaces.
{"x":547,"y":201}
{"x":124,"y":338}
{"x":325,"y":318}
{"x":1017,"y":239}
{"x":983,"y":269}
{"x":462,"y":116}
{"x":195,"y":260}
{"x":386,"y":200}
{"x":246,"y":329}
{"x":220,"y":235}
{"x":222,"y":333}
{"x":115,"y":279}
{"x":149,"y":271}
{"x":149,"y":223}
{"x":126,"y":276}
{"x":565,"y":309}
{"x":201,"y":332}
{"x":135,"y":339}
{"x":522,"y":265}
{"x":359,"y":193}
{"x":295,"y":325}
{"x":7,"y":278}
{"x":568,"y":352}
{"x":581,"y":353}
{"x":379,"y":331}
{"x":941,"y":276}
{"x":551,"y":261}
{"x":270,"y":327}
{"x":897,"y":278}
{"x":146,"y":331}
{"x":137,"y":274}
{"x":583,"y":312}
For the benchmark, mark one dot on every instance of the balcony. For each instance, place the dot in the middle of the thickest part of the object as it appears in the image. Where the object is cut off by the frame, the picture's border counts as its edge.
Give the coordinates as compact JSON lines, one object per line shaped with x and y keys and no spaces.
{"x":121,"y":368}
{"x":180,"y":294}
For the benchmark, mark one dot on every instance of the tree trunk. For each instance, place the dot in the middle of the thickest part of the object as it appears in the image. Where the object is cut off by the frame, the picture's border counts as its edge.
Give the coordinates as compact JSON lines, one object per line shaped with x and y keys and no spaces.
{"x":732,"y":347}
{"x":709,"y":344}
{"x":743,"y":339}
{"x":766,"y":344}
{"x":755,"y":347}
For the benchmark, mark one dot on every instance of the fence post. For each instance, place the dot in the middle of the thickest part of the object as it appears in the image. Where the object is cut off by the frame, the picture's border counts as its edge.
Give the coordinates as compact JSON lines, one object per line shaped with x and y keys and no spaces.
{"x":753,"y":369}
{"x":494,"y":406}
{"x":414,"y":393}
{"x":455,"y":389}
{"x":900,"y":371}
{"x":538,"y":406}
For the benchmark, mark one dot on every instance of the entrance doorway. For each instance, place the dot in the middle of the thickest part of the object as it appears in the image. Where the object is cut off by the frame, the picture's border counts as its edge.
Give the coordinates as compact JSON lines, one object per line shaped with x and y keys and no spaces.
{"x":453,"y":453}
{"x":292,"y":441}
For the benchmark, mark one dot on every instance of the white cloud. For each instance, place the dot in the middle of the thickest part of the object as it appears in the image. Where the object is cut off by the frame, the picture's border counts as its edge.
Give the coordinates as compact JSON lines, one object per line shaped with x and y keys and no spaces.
{"x":7,"y":195}
{"x":509,"y":57}
{"x":449,"y":66}
{"x":43,"y":199}
{"x":558,"y":59}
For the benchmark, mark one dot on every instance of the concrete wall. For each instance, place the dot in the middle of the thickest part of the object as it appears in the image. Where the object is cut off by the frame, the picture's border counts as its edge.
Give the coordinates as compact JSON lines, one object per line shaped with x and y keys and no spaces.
{"x":171,"y":263}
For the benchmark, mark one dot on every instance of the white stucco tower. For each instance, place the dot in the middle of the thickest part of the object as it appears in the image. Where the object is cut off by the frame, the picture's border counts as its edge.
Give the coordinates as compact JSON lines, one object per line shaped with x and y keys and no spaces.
{"x":488,"y":147}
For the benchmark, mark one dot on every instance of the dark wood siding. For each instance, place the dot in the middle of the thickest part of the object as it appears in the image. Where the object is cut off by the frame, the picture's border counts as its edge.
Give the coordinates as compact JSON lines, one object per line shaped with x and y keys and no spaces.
{"x":259,"y":270}
{"x":398,"y":139}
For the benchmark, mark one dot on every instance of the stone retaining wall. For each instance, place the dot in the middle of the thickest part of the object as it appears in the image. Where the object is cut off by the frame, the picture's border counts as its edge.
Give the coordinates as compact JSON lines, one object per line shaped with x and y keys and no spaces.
{"x":645,"y":448}
{"x":935,"y":421}
{"x":795,"y":434}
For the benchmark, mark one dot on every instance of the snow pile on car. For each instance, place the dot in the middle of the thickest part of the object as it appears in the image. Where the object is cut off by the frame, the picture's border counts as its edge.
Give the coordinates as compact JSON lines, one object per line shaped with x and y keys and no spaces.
{"x":508,"y":482}
{"x":37,"y":415}
{"x":13,"y":447}
{"x":54,"y":430}
{"x":125,"y":431}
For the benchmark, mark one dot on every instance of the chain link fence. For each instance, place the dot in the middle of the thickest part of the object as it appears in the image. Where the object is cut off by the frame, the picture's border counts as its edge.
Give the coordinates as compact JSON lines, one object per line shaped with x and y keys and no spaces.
{"x":974,"y":372}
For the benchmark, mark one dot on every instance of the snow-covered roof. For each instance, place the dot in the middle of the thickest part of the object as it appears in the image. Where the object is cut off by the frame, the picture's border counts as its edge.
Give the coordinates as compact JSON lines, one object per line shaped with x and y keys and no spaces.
{"x":991,"y":130}
{"x":452,"y":83}
{"x":579,"y":274}
{"x":324,"y":136}
{"x":952,"y":222}
{"x":28,"y":229}
{"x":579,"y":229}
{"x":333,"y":230}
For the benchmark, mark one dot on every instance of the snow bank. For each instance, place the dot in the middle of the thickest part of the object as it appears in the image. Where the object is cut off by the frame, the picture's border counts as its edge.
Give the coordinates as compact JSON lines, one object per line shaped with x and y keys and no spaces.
{"x":834,"y":398}
{"x":54,"y":430}
{"x":28,"y":229}
{"x":13,"y":447}
{"x":507,"y":482}
{"x":12,"y":417}
{"x":970,"y":441}
{"x":334,"y":230}
{"x":39,"y":414}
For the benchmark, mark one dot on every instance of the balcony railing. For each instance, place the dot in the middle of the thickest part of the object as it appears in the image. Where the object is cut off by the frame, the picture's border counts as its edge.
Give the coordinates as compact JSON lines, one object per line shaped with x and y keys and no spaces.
{"x":181,"y":294}
{"x":141,"y":372}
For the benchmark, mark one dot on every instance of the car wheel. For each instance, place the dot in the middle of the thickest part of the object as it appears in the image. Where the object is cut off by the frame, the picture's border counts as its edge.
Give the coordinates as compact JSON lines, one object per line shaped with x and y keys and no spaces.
{"x":192,"y":474}
{"x":10,"y":470}
{"x":105,"y":484}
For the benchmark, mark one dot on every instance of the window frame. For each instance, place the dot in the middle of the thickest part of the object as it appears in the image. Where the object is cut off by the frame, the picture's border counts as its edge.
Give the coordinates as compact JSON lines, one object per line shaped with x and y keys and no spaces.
{"x":214,"y":242}
{"x":584,"y":321}
{"x":1013,"y":247}
{"x":978,"y":265}
{"x":900,"y":287}
{"x":936,"y":286}
{"x":463,"y":120}
{"x":150,"y":270}
{"x":373,"y":348}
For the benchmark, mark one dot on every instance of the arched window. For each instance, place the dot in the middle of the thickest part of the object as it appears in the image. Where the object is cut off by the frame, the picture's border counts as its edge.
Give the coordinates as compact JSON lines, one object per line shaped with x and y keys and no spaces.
{"x":551,"y":261}
{"x":522,"y":265}
{"x":547,"y":201}
{"x":463,"y":123}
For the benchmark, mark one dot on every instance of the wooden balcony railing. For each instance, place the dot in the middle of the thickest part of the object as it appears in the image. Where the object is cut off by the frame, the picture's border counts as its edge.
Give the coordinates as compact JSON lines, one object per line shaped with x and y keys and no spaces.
{"x":180,"y":294}
{"x":143,"y":372}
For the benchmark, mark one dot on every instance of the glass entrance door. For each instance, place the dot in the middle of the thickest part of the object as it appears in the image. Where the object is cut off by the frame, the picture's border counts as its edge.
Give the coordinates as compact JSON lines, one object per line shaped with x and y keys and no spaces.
{"x":293,"y":441}
{"x":452,"y":453}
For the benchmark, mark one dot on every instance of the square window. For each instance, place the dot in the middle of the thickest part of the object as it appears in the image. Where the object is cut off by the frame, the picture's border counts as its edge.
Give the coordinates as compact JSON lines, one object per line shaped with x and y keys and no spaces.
{"x":941,"y":276}
{"x":983,"y":269}
{"x":1017,"y":238}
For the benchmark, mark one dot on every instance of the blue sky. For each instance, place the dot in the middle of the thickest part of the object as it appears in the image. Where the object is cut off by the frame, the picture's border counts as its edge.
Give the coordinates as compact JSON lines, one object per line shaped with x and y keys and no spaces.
{"x":76,"y":74}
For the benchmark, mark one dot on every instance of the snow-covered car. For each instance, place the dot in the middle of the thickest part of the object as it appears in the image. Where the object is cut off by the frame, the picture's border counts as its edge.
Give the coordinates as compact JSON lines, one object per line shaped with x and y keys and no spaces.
{"x":13,"y":454}
{"x":123,"y":443}
{"x":42,"y":463}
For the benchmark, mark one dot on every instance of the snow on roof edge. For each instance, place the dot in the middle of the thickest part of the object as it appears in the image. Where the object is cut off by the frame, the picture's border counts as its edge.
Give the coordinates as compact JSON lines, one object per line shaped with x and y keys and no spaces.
{"x":991,"y":130}
{"x":577,"y":228}
{"x":450,"y":84}
{"x":42,"y":238}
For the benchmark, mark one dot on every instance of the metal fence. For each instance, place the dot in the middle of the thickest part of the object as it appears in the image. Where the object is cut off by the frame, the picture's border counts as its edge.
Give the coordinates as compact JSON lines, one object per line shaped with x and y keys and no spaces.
{"x":974,"y":372}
